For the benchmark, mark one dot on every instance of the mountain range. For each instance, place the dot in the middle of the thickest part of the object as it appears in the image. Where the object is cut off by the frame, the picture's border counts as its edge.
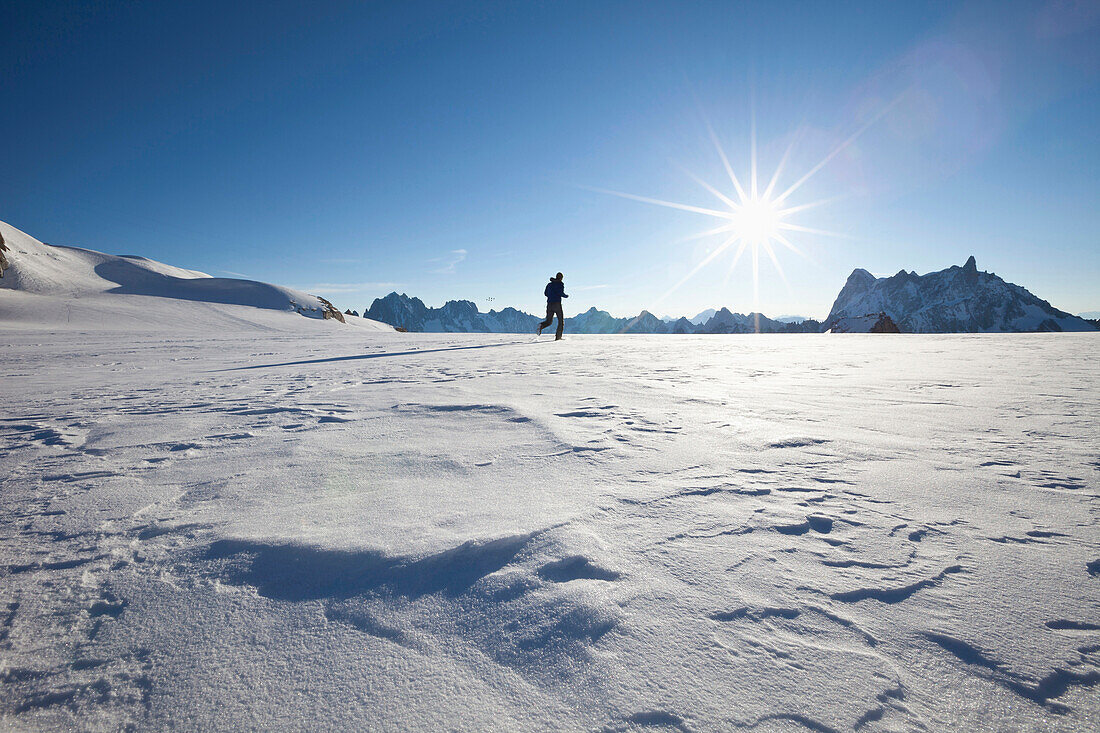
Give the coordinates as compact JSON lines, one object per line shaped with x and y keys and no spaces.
{"x":954,"y":300}
{"x":46,"y":283}
{"x":462,"y":316}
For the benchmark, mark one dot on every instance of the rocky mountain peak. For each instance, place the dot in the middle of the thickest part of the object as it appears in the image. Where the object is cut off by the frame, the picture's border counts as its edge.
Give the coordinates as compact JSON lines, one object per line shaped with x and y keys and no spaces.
{"x":957,"y":299}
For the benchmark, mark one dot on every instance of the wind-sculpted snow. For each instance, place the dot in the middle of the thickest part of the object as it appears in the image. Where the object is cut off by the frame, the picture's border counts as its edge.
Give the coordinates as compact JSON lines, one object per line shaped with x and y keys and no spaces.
{"x":337,"y":530}
{"x":297,"y":573}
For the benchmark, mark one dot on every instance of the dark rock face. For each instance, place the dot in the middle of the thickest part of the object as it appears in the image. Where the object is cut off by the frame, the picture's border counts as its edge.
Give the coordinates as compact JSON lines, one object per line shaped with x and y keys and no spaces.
{"x":400,"y":311}
{"x":330,"y":311}
{"x":682,"y":326}
{"x":726,"y":322}
{"x":885,"y":325}
{"x":955,"y":300}
{"x":646,"y":322}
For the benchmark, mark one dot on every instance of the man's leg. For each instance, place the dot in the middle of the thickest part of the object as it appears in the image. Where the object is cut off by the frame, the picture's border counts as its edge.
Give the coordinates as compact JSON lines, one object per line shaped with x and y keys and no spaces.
{"x":561,"y":320}
{"x":549,"y":317}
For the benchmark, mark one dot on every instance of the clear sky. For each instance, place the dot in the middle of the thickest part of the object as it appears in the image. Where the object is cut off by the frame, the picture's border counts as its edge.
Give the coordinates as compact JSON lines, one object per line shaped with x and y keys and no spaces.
{"x":453,"y":150}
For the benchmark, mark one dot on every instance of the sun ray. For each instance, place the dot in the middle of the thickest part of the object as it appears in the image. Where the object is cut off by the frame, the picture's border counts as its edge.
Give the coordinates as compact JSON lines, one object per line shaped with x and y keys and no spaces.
{"x":723,"y":197}
{"x":813,"y":204}
{"x":733,"y":265}
{"x":703,"y":263}
{"x":778,"y":268}
{"x":790,"y":245}
{"x":756,"y":286}
{"x":708,"y":233}
{"x":740,"y":251}
{"x":752,"y":138}
{"x":726,"y":162}
{"x":756,"y":221}
{"x":669,"y":204}
{"x":808,"y":230}
{"x":836,"y":151}
{"x":783,"y":162}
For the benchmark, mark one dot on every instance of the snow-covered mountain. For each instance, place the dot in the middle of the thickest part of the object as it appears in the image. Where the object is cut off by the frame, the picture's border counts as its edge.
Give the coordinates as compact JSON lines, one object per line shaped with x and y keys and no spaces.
{"x":955,"y":300}
{"x":47,"y":284}
{"x":726,"y":322}
{"x":701,"y":318}
{"x":462,"y":316}
{"x":958,"y":299}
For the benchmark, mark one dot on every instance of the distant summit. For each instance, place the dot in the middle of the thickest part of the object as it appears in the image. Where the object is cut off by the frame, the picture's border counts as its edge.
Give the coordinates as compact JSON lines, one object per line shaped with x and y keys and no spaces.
{"x":462,"y":316}
{"x":955,"y":300}
{"x":703,"y":317}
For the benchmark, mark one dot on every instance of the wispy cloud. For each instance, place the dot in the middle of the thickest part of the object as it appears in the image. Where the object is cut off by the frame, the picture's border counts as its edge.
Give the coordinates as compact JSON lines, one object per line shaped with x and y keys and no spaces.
{"x":338,"y":288}
{"x":448,"y":263}
{"x":234,"y":274}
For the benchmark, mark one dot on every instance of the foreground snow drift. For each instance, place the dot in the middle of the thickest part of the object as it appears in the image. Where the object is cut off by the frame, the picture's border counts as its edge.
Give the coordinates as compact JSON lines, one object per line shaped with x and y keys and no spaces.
{"x":394,"y":531}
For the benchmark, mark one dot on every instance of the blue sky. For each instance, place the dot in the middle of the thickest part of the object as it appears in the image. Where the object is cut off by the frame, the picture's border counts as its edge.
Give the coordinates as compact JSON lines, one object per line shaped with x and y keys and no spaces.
{"x":452,"y":150}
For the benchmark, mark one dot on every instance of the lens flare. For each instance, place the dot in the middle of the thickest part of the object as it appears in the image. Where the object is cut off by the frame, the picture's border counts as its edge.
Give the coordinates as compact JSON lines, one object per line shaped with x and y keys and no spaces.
{"x":753,"y":220}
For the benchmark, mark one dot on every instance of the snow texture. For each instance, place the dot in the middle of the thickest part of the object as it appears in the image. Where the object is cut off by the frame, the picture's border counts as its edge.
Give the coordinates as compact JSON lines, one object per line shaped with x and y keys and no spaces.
{"x":284,"y":523}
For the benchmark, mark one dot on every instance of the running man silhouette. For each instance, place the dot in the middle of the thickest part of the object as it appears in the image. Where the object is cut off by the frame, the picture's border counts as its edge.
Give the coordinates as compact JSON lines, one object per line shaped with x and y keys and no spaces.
{"x":554,"y":292}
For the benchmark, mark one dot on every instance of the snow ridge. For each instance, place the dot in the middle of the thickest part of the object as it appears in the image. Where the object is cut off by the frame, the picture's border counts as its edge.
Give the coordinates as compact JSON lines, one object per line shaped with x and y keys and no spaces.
{"x":68,"y":285}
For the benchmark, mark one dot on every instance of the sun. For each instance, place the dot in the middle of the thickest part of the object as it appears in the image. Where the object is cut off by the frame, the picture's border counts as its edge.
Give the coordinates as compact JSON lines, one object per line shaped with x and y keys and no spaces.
{"x":755,"y":219}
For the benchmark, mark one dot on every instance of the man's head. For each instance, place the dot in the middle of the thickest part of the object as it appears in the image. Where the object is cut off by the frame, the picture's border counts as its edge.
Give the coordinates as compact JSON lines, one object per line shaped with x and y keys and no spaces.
{"x":559,"y":276}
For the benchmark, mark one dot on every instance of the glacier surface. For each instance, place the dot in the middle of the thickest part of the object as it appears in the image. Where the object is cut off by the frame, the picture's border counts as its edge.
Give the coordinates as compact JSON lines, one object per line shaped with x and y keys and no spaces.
{"x":304,"y":525}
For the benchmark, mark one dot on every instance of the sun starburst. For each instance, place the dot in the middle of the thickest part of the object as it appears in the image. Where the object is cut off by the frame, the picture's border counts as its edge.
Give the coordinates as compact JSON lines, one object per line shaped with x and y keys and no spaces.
{"x":753,"y":221}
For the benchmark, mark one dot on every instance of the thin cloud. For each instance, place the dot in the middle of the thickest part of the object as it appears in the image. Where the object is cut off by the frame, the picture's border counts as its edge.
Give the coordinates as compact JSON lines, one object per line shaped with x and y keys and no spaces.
{"x":235,"y":274}
{"x":338,"y":288}
{"x":450,"y":262}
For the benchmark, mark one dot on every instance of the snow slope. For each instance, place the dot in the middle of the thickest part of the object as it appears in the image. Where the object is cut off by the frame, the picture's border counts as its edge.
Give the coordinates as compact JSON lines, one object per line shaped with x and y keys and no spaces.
{"x":80,"y":288}
{"x":245,"y":529}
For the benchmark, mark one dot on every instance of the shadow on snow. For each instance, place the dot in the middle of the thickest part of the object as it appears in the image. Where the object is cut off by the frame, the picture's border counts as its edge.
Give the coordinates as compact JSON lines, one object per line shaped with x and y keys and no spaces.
{"x":293,"y":572}
{"x":413,"y":352}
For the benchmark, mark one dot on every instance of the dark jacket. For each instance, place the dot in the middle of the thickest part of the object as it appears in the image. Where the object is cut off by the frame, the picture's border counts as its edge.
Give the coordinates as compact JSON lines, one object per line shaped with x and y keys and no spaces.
{"x":555,"y":291}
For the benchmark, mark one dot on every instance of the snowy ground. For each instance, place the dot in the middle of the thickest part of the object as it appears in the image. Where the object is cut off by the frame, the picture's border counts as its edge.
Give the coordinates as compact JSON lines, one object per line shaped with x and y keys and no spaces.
{"x":318,"y":527}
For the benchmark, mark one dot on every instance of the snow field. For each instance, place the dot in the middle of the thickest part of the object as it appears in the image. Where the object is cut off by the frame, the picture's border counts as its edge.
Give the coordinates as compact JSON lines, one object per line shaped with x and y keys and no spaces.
{"x":294,"y":525}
